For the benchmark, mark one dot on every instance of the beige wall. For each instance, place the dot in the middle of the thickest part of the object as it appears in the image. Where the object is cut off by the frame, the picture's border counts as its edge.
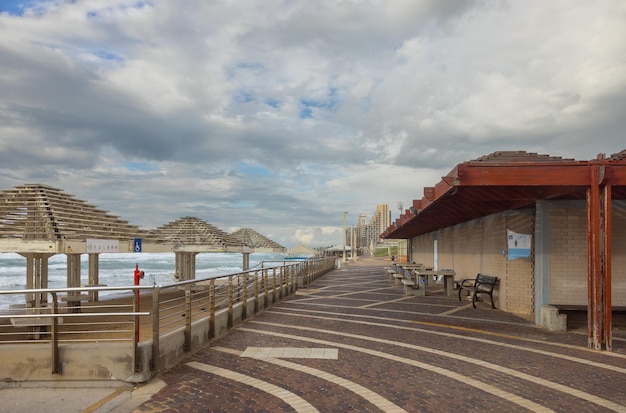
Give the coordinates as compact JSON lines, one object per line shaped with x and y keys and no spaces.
{"x":618,"y":254}
{"x":568,"y":257}
{"x":481,"y":246}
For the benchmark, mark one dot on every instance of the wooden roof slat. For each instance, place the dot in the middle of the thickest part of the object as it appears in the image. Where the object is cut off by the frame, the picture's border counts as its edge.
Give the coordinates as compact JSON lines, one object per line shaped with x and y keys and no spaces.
{"x":253,"y":239}
{"x":191,"y":230}
{"x":35,"y":211}
{"x":504,"y":181}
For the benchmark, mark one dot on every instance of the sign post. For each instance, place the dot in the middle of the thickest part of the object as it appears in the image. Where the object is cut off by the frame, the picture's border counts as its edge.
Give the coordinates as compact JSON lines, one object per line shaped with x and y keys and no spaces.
{"x":138,"y":276}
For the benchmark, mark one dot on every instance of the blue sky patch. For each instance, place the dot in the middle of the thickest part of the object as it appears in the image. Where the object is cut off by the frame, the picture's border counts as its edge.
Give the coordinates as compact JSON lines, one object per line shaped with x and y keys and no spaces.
{"x":273,"y":103}
{"x":244,"y":96}
{"x":140,"y":167}
{"x":254,"y":170}
{"x":329,"y":103}
{"x":17,"y":7}
{"x":306,"y":113}
{"x":105,"y":55}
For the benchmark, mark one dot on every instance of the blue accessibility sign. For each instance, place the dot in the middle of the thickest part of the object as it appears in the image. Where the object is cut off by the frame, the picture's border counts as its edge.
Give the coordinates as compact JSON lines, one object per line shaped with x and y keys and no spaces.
{"x":137,"y":245}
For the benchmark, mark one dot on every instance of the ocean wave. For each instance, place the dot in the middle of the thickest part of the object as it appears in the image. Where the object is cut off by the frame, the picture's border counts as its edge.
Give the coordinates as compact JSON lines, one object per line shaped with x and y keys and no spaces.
{"x":117,"y":270}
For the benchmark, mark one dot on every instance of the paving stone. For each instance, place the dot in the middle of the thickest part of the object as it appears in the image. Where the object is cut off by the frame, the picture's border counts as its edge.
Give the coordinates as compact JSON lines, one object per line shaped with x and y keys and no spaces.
{"x":394,"y":353}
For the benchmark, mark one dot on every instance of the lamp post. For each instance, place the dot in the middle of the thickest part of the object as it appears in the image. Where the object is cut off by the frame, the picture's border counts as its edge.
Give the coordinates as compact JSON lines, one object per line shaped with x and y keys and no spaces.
{"x":352,"y":255}
{"x":344,"y":235}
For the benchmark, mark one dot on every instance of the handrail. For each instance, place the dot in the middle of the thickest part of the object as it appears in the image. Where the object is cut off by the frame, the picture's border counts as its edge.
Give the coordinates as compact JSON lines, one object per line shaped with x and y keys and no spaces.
{"x":194,"y":299}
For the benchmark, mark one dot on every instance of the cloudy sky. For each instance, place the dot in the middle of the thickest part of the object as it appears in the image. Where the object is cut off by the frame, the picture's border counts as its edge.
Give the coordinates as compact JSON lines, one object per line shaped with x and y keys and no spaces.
{"x":278,"y":115}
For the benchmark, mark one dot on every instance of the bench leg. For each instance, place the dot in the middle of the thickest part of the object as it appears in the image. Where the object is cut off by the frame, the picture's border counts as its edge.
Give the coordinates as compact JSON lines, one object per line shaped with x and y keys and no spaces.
{"x":461,"y":290}
{"x":490,"y":297}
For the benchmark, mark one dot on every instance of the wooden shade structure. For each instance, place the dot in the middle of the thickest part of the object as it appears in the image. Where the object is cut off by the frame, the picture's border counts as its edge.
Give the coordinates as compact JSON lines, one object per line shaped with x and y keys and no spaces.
{"x":38,"y":221}
{"x":514,"y":180}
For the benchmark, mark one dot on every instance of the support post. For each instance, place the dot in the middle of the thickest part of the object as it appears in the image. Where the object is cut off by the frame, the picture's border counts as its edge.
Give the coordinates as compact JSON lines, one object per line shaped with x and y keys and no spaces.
{"x":344,"y":235}
{"x":73,"y":281}
{"x":54,"y":336}
{"x":246,"y":261}
{"x":212,"y":308}
{"x":154,"y":365}
{"x":230,"y":301}
{"x":136,"y":332}
{"x":94,"y":275}
{"x":244,"y":302}
{"x":187,"y":344}
{"x":599,"y":309}
{"x":607,"y":292}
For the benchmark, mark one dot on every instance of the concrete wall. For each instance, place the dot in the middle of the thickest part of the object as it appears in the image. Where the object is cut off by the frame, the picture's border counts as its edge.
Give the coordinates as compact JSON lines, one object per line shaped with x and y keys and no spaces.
{"x":103,"y":362}
{"x":97,"y":364}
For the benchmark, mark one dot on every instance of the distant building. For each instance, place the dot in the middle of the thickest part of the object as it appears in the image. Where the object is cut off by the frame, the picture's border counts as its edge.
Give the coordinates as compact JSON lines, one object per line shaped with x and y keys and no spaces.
{"x":367,"y":234}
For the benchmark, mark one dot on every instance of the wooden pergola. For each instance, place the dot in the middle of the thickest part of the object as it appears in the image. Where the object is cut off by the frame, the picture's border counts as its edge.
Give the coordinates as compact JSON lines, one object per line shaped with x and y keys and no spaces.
{"x":190,"y":236}
{"x":514,"y":180}
{"x":38,"y":221}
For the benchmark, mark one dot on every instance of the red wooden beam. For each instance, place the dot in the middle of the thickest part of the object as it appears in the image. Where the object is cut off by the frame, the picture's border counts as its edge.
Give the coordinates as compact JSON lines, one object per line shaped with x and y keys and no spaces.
{"x":606,"y":267}
{"x":524,"y":175}
{"x":594,"y":306}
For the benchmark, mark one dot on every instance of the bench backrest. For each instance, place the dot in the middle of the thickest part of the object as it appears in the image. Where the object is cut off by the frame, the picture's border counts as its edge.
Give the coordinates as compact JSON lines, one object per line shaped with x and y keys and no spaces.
{"x":487,"y":281}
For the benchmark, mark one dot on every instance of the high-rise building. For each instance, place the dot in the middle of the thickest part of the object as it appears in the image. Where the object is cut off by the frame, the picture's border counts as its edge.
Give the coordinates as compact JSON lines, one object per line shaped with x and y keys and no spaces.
{"x":367,"y":234}
{"x":362,"y":231}
{"x":380,"y":221}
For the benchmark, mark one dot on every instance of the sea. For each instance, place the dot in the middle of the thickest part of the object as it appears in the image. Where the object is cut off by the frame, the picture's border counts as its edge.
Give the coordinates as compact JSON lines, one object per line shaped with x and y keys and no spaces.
{"x":118,"y":269}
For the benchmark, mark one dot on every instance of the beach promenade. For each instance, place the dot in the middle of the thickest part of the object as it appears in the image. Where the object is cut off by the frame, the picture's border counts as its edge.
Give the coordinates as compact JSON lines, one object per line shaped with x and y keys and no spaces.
{"x":353,"y":342}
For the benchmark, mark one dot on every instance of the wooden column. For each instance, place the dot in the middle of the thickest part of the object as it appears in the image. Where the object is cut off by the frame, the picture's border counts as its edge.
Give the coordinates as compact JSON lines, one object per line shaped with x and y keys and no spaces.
{"x":607,"y":310}
{"x":246,"y":261}
{"x":73,"y":281}
{"x":36,"y":277}
{"x":599,"y":310}
{"x":186,"y":265}
{"x":593,"y":261}
{"x":94,"y":275}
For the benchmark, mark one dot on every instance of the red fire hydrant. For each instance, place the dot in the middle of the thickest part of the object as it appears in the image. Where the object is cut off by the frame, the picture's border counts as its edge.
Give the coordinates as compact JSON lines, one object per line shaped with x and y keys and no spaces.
{"x":138,"y":276}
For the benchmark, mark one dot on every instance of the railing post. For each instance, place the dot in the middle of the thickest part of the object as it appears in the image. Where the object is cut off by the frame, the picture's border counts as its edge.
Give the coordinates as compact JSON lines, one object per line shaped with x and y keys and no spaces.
{"x":274,"y":284}
{"x":212,"y":308}
{"x":299,"y":276}
{"x":287,"y":281}
{"x":187,"y":345}
{"x":244,"y":303}
{"x":136,"y":338}
{"x":230,"y":301}
{"x":154,"y":364}
{"x":54,"y":338}
{"x":256,"y":292}
{"x":307,"y":271}
{"x":265,"y":289}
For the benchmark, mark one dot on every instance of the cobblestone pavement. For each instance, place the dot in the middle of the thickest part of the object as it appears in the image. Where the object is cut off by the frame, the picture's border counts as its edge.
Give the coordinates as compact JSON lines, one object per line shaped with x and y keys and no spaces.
{"x":353,"y":342}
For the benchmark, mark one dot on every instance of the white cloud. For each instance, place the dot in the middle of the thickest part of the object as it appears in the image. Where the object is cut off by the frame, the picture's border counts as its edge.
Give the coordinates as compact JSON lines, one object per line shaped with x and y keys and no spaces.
{"x":339,"y":105}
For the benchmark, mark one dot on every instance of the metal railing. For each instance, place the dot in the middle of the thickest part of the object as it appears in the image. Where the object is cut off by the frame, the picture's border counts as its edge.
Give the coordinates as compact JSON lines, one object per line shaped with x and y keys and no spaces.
{"x":134,"y":314}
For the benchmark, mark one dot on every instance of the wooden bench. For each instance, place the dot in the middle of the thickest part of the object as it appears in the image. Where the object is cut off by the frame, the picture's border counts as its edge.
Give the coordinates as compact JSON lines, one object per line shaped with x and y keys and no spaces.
{"x":482,"y":284}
